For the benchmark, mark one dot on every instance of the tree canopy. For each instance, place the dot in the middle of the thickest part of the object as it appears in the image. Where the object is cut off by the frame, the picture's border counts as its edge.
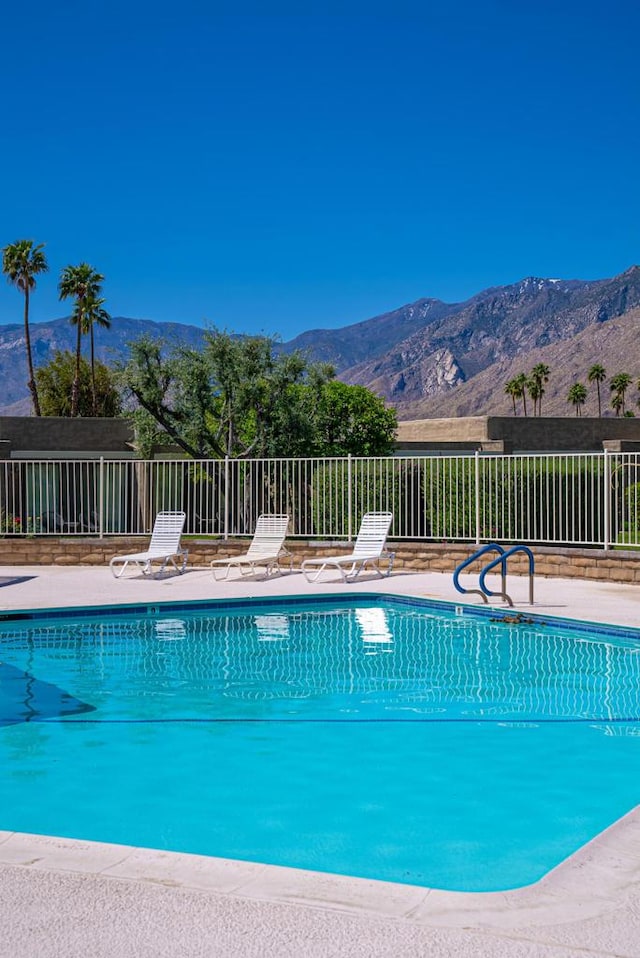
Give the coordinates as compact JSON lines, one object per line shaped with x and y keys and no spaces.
{"x":351,"y":420}
{"x":83,"y":284}
{"x":597,"y":374}
{"x":240,"y":397}
{"x":21,"y":263}
{"x":577,"y":396}
{"x":619,"y":385}
{"x":55,"y":380}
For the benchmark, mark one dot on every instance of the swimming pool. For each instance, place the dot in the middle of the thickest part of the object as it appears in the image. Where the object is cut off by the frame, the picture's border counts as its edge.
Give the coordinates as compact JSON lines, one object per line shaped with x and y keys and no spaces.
{"x":411,"y":741}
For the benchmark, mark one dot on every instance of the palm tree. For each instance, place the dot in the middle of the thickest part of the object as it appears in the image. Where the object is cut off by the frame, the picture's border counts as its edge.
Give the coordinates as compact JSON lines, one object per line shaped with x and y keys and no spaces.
{"x":597,"y":374}
{"x":81,"y":282}
{"x":21,"y":263}
{"x":577,"y":395}
{"x":512,"y":389}
{"x":521,"y":382}
{"x":94,"y":315}
{"x":619,"y":385}
{"x":539,"y":375}
{"x":616,"y":403}
{"x":535,"y":391}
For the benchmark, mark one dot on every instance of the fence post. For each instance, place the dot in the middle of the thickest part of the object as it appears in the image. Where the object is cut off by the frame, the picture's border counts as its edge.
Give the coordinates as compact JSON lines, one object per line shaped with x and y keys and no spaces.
{"x":607,"y":499}
{"x":226,"y":498}
{"x":101,"y":499}
{"x":349,"y":486}
{"x":477,"y":483}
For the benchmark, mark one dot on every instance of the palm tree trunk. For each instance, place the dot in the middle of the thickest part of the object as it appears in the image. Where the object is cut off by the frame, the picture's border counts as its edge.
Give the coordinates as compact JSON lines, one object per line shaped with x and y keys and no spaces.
{"x":94,"y":398}
{"x":75,"y":387}
{"x":27,"y":340}
{"x":599,"y":406}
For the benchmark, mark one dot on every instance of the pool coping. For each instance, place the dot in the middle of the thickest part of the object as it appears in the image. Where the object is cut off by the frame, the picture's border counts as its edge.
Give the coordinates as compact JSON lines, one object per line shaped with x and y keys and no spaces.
{"x":494,"y":614}
{"x":592,"y":882}
{"x":588,"y":884}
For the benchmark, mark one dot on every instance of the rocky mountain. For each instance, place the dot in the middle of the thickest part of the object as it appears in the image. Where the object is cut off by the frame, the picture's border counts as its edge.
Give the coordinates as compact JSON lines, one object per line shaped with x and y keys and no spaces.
{"x":367,"y":341}
{"x":493,"y":327}
{"x":615,"y":344}
{"x":427,"y":358}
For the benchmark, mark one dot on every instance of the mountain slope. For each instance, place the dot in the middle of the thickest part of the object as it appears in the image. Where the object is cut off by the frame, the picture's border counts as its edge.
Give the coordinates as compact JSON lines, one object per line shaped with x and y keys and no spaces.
{"x":365,"y":341}
{"x":493,"y":327}
{"x":47,"y":338}
{"x":423,"y":357}
{"x":613,"y":344}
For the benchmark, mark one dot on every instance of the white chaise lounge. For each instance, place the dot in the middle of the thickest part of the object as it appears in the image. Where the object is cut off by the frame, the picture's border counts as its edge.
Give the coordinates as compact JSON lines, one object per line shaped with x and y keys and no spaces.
{"x":164,"y":548}
{"x":265,"y":551}
{"x":369,"y":549}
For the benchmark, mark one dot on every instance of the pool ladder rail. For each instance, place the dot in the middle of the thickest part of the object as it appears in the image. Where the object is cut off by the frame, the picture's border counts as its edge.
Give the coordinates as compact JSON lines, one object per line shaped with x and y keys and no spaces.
{"x":500,"y":560}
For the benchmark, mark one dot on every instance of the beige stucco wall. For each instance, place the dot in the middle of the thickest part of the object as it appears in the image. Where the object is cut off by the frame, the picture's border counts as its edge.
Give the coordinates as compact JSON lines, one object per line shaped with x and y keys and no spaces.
{"x":518,"y":433}
{"x":58,"y":437}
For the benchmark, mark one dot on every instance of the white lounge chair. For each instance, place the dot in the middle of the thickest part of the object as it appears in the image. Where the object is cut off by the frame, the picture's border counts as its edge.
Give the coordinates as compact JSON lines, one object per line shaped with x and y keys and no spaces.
{"x":164,"y":547}
{"x":369,"y":549}
{"x":266,"y":549}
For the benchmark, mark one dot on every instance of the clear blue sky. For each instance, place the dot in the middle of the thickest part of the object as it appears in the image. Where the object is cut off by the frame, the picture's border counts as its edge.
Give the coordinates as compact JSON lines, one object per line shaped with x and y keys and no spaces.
{"x":265,"y":170}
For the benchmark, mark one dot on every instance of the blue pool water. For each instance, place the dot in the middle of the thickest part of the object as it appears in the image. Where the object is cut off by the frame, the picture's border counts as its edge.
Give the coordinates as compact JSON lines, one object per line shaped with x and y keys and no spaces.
{"x":371,"y":736}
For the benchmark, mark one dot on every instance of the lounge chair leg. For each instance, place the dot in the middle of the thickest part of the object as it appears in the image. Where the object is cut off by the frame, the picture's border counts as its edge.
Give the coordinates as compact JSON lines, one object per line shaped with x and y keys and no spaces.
{"x":314,"y":578}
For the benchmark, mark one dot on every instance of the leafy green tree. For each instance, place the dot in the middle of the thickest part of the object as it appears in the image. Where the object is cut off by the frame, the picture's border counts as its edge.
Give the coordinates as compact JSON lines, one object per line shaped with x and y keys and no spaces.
{"x":97,"y":396}
{"x":174,"y":396}
{"x":263,"y":409}
{"x":597,"y":374}
{"x":539,"y":376}
{"x":21,"y":263}
{"x":351,"y":420}
{"x":82,"y":283}
{"x":225,"y":400}
{"x":619,"y":385}
{"x":577,"y":396}
{"x":240,"y":398}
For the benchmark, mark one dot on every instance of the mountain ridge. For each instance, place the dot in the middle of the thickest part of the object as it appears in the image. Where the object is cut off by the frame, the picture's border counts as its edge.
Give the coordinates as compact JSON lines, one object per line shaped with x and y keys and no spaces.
{"x":613,"y":344}
{"x":422,"y":357}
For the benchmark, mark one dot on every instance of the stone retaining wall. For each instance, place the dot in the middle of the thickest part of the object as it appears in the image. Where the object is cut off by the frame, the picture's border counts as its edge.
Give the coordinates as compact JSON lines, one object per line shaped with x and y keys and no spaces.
{"x":613,"y":565}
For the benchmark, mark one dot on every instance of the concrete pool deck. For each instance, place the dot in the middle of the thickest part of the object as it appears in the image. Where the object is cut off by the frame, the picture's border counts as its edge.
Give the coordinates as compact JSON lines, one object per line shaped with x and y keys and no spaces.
{"x":61,"y":898}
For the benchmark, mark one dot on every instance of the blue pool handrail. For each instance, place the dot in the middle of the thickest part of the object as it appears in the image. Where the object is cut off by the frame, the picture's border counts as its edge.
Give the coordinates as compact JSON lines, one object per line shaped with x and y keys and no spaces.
{"x":502,"y":561}
{"x":490,"y":547}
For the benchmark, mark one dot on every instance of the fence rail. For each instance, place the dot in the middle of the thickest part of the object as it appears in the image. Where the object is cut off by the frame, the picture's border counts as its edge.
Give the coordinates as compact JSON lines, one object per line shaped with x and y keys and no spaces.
{"x":579,"y":499}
